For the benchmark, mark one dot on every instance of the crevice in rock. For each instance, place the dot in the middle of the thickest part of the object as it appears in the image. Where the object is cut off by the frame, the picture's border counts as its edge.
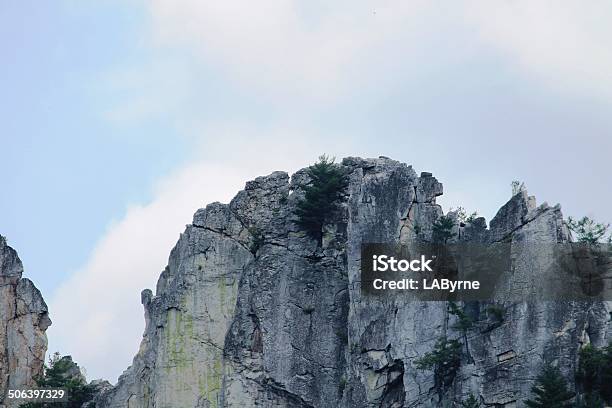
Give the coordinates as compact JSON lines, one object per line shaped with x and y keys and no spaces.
{"x":394,"y":393}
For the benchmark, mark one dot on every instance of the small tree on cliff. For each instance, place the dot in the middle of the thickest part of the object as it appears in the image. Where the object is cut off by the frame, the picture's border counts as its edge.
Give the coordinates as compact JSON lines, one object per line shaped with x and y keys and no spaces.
{"x":464,"y":323}
{"x":471,"y":402}
{"x":587,"y":230}
{"x":321,"y":196}
{"x":463,"y":217}
{"x":62,"y":372}
{"x":444,"y":359}
{"x":550,"y":390}
{"x":594,"y":373}
{"x":443,"y":229}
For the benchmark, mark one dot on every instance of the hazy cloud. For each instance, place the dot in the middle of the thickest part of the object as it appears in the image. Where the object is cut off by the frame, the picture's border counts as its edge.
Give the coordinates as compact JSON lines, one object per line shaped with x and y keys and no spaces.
{"x":324,"y":50}
{"x":565,"y":43}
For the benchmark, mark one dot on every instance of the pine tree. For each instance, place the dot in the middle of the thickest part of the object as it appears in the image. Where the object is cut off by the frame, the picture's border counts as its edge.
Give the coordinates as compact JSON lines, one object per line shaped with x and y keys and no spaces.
{"x":443,"y":229}
{"x":589,"y":371}
{"x":550,"y":390}
{"x":464,"y":323}
{"x":463,"y":217}
{"x":471,"y":402}
{"x":444,"y":359}
{"x":62,"y":372}
{"x":594,"y":372}
{"x":587,"y":230}
{"x":322,"y":196}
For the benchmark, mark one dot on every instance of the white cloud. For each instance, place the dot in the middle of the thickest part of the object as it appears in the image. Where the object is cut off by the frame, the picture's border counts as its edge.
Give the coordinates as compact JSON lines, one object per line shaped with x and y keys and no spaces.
{"x":566,"y":43}
{"x":329,"y":49}
{"x":97,"y":315}
{"x":289,"y":48}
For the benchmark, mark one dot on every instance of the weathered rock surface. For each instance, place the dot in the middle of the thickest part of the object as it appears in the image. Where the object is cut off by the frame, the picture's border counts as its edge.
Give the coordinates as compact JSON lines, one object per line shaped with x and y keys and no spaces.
{"x":23,"y":321}
{"x":252,"y":312}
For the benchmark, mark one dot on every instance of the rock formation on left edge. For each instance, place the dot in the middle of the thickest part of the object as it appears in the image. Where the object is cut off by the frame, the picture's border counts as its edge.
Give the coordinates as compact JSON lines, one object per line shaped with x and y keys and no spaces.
{"x":23,"y":321}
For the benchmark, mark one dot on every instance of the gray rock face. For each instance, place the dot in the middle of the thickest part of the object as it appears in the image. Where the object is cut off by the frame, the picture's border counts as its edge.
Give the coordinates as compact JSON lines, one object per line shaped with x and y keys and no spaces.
{"x":23,"y":321}
{"x":252,"y":312}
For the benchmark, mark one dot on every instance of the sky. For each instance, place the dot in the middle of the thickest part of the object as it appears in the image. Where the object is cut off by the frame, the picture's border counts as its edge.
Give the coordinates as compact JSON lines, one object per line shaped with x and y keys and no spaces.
{"x":118,"y":119}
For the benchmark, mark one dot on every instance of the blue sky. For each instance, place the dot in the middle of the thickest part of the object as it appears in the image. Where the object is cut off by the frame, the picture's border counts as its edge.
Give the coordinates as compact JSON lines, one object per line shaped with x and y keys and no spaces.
{"x":69,"y":172}
{"x":119,"y":119}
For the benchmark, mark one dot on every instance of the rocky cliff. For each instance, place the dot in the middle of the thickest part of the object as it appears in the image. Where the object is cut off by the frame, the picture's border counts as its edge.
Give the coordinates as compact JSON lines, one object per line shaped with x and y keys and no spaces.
{"x":251,"y":311}
{"x":23,"y":321}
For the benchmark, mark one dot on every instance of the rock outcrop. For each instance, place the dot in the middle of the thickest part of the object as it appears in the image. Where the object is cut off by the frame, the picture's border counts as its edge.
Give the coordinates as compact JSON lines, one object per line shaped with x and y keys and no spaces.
{"x":23,"y":321}
{"x":251,"y":311}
